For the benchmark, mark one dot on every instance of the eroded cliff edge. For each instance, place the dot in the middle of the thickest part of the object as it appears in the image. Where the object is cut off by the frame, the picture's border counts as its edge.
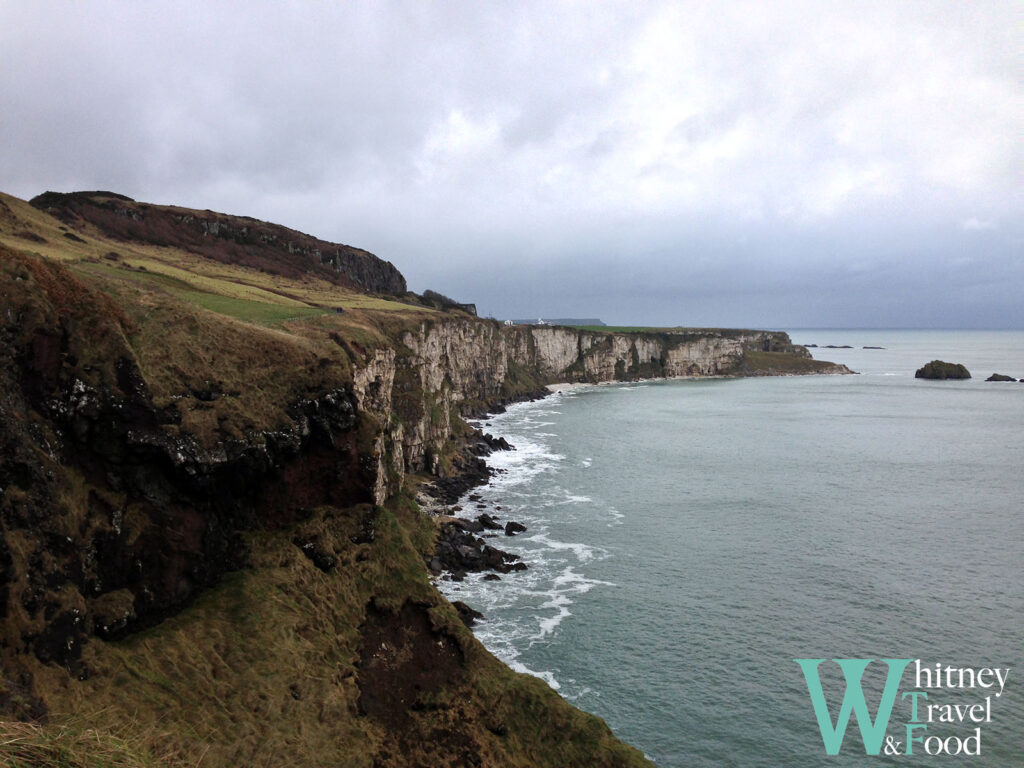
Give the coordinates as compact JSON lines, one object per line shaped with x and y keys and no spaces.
{"x":466,"y":367}
{"x":208,"y":542}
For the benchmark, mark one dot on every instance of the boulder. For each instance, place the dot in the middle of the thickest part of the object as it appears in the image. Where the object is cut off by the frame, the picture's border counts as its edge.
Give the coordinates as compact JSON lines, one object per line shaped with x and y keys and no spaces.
{"x":489,"y":522}
{"x":497,"y":443}
{"x":512,"y":528}
{"x":472,"y":526}
{"x":939,"y":369}
{"x":1000,"y":377}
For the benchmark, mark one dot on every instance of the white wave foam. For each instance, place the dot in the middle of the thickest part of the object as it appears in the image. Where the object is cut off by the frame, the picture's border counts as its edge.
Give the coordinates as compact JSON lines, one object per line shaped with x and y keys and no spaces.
{"x":528,"y":607}
{"x":586,"y":690}
{"x":580,"y":583}
{"x":547,"y":677}
{"x":571,"y":499}
{"x":582,"y":551}
{"x":564,"y":588}
{"x":549,"y":624}
{"x":531,"y":458}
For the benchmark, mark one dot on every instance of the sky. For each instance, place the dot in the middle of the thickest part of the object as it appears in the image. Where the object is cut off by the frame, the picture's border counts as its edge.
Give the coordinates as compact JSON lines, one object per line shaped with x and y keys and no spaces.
{"x":748,"y":164}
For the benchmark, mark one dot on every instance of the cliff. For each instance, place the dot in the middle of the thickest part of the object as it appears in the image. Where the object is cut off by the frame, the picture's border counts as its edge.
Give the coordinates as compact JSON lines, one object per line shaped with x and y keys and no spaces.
{"x":208,"y":542}
{"x":223,"y":238}
{"x":463,"y":367}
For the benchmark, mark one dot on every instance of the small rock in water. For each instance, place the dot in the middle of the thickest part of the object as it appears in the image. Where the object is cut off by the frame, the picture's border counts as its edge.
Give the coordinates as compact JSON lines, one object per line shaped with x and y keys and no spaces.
{"x":940,"y":369}
{"x":512,"y":528}
{"x":489,"y":522}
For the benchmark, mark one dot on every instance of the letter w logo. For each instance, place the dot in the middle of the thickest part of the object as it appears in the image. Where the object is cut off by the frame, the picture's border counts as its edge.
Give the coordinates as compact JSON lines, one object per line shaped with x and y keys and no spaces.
{"x":871,"y":732}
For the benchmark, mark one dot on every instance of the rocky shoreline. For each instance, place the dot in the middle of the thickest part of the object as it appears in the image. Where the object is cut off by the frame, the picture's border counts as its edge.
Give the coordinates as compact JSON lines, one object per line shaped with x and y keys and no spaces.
{"x":462,"y":545}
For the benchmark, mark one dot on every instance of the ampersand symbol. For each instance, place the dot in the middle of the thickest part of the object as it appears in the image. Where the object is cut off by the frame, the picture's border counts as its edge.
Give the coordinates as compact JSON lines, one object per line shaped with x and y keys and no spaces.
{"x":892,"y":747}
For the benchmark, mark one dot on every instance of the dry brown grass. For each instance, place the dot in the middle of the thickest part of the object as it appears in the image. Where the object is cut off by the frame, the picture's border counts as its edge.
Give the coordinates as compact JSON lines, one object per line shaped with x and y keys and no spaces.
{"x":73,"y":744}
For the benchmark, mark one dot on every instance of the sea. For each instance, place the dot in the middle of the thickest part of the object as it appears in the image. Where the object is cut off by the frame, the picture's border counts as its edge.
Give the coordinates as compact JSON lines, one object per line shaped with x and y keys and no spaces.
{"x":689,"y":540}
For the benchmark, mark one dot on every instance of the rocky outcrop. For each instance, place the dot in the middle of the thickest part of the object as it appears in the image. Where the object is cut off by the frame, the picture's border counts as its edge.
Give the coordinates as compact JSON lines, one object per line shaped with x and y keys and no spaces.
{"x":939,"y":369}
{"x":111,"y":516}
{"x":459,"y":551}
{"x":1000,"y":377}
{"x":228,"y":239}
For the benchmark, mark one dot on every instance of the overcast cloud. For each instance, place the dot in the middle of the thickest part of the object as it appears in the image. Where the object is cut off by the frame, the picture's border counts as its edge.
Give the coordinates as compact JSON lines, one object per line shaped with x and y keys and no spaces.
{"x":785,"y":164}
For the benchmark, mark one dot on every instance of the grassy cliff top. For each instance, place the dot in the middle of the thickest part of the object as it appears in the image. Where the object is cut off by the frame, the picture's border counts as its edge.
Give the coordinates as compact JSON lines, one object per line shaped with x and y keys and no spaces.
{"x":257,"y":291}
{"x":254,"y":338}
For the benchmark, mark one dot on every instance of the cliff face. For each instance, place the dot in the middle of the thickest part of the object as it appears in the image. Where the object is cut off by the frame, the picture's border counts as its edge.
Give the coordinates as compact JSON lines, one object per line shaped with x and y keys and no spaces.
{"x":114,"y":515}
{"x":446,"y":368}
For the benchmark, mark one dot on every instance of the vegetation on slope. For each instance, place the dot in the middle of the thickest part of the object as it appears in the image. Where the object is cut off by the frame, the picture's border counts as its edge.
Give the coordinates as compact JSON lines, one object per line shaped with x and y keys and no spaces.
{"x":365,"y":664}
{"x":76,"y":744}
{"x":221,"y":238}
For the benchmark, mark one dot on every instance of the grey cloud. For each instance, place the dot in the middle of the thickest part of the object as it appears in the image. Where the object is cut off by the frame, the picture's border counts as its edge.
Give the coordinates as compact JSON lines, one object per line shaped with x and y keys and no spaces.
{"x":647,"y":163}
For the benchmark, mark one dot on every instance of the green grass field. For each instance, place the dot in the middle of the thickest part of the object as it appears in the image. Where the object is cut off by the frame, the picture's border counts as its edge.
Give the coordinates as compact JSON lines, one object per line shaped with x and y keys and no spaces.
{"x":250,"y":311}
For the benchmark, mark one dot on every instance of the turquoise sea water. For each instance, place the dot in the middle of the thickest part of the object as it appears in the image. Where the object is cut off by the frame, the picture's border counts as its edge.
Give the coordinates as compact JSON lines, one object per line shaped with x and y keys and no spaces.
{"x":688,"y":539}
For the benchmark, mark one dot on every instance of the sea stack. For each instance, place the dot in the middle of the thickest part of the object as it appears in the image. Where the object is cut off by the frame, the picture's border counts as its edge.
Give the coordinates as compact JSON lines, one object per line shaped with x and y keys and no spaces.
{"x":939,"y":369}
